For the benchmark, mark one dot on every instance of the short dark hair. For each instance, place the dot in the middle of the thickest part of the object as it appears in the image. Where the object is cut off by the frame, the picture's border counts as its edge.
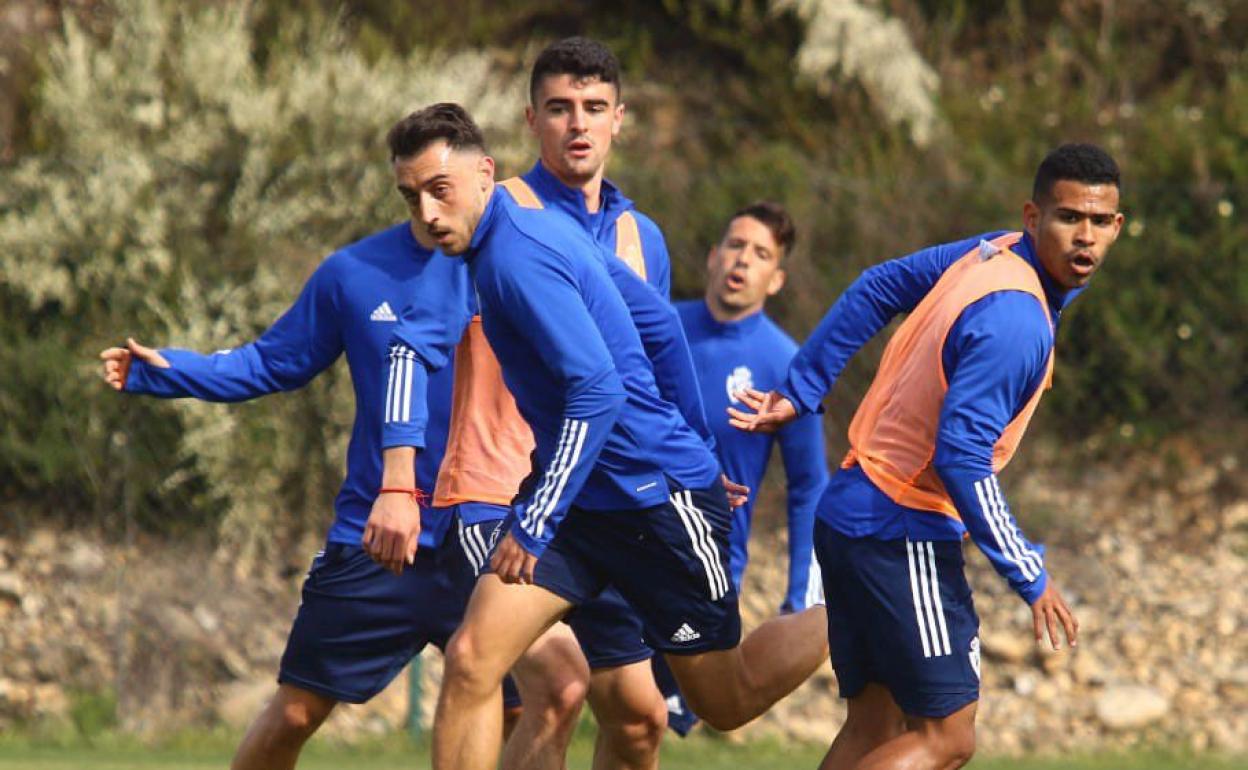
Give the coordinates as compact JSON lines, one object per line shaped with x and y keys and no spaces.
{"x":444,"y":120}
{"x":577,"y":56}
{"x":1084,"y":163}
{"x":775,"y":217}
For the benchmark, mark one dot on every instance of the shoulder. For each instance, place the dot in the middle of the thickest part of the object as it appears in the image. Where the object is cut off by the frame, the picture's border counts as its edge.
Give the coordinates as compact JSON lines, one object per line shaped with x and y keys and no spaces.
{"x":1006,"y":322}
{"x":687,"y":308}
{"x":778,"y":337}
{"x":651,"y":233}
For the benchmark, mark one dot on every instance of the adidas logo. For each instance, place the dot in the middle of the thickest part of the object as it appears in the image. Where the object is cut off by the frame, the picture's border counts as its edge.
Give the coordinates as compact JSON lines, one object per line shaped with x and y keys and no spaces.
{"x":383,"y":313}
{"x":685,"y":634}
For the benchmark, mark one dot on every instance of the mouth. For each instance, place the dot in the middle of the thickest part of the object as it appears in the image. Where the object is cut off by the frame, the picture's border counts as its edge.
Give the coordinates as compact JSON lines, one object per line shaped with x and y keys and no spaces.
{"x":579,"y":148}
{"x":735,"y":281}
{"x":1083,"y":263}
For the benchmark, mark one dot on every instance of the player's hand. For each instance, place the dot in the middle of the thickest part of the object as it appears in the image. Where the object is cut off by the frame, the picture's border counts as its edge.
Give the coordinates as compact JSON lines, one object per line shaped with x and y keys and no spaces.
{"x":738,"y":494}
{"x":1050,"y":610}
{"x":512,"y":563}
{"x":771,"y":411}
{"x":117,"y":362}
{"x":393,"y":531}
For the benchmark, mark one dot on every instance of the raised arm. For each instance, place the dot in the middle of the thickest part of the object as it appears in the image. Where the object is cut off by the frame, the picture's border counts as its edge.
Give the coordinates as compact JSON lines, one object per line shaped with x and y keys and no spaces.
{"x":867,"y":306}
{"x":303,"y":342}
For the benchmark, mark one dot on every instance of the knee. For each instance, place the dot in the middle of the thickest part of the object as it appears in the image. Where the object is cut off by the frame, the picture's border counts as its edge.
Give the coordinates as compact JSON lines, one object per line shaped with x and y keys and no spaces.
{"x":640,"y":731}
{"x":466,"y":668}
{"x":556,"y":698}
{"x":958,"y":748}
{"x":290,"y":722}
{"x":717,"y":714}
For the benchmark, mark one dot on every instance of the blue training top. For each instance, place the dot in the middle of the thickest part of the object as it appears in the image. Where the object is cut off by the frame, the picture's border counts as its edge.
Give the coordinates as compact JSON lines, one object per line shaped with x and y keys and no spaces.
{"x":755,"y":353}
{"x":994,"y":359}
{"x":347,"y":305}
{"x":574,"y":361}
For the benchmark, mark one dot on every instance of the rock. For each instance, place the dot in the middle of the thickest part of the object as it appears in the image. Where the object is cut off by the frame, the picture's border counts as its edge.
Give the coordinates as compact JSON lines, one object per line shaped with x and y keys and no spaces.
{"x":41,"y":544}
{"x":85,"y":560}
{"x":1010,"y":647}
{"x":1130,"y":707}
{"x":11,"y":588}
{"x":206,"y":618}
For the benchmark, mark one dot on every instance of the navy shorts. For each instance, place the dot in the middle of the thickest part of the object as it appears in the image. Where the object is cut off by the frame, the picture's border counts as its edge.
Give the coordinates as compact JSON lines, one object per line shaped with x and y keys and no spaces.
{"x":607,"y":628}
{"x":358,"y":625}
{"x":900,"y":614}
{"x":669,"y":562}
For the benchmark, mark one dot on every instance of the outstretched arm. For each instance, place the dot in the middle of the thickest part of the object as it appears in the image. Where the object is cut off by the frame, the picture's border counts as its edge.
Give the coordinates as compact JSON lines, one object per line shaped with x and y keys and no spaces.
{"x":806,"y":474}
{"x":304,"y":341}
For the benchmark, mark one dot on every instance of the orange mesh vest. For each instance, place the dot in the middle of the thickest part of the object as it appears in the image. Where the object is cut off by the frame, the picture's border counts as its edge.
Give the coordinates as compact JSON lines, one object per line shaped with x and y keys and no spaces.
{"x":893,"y":433}
{"x":488,"y":445}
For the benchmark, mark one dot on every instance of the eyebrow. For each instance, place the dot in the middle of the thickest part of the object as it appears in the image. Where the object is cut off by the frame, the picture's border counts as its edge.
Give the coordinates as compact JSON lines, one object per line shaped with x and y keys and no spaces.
{"x":563,"y":101}
{"x":1081,"y":213}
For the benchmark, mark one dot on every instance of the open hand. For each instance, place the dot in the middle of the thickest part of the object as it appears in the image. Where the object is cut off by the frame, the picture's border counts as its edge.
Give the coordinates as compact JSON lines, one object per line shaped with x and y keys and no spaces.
{"x":771,"y":411}
{"x":1050,"y":610}
{"x":117,"y":362}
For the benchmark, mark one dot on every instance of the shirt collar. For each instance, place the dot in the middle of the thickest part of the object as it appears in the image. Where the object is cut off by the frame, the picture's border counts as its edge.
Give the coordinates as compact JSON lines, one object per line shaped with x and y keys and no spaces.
{"x":1058,"y":296}
{"x":738,"y":328}
{"x":485,"y":223}
{"x":572,"y":201}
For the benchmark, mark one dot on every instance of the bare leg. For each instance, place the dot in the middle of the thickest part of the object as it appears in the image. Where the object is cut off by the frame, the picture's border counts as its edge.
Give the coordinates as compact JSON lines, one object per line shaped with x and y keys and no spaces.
{"x":873,"y":720}
{"x":928,"y":744}
{"x":631,"y":714}
{"x":553,"y":678}
{"x":277,"y":735}
{"x":731,"y":687}
{"x":499,"y":625}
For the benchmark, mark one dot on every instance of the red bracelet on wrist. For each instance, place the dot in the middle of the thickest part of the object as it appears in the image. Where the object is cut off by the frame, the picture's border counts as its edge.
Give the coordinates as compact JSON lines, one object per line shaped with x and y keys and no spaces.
{"x":417,"y":494}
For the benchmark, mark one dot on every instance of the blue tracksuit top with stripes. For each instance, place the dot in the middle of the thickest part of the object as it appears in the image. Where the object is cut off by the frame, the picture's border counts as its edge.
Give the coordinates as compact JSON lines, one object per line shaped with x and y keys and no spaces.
{"x":661,"y":331}
{"x":350,"y":304}
{"x":755,"y":352}
{"x":601,"y":225}
{"x":574,"y":361}
{"x":994,"y":359}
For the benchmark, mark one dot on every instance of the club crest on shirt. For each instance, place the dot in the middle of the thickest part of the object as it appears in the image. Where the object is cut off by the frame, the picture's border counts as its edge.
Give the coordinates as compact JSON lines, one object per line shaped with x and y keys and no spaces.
{"x":740,"y":379}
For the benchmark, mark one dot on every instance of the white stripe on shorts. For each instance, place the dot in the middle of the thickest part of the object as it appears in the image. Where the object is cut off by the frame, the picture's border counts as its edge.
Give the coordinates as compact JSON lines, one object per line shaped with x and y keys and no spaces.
{"x":700,"y":537}
{"x":929,"y":611}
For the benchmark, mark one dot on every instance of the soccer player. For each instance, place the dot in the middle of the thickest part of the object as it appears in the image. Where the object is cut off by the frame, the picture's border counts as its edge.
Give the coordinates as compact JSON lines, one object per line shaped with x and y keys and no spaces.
{"x":625,"y":494}
{"x":736,"y":346}
{"x":358,"y":624}
{"x":956,"y":387}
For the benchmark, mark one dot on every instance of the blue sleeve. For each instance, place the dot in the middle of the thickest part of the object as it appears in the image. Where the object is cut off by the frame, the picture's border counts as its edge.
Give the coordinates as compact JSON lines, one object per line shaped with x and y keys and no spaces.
{"x":868,"y":305}
{"x":994,"y":358}
{"x":806,"y":474}
{"x":303,"y":342}
{"x":663,"y":336}
{"x":545,"y":300}
{"x":424,"y":340}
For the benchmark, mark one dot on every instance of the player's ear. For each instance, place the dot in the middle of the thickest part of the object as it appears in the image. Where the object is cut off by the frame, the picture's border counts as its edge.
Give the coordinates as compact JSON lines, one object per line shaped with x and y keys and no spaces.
{"x":1031,"y":218}
{"x":485,"y":171}
{"x":776,"y":283}
{"x":617,"y":120}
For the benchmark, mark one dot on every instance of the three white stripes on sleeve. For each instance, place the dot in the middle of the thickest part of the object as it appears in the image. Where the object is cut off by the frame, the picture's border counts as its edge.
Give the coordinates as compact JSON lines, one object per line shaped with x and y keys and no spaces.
{"x":399,"y":388}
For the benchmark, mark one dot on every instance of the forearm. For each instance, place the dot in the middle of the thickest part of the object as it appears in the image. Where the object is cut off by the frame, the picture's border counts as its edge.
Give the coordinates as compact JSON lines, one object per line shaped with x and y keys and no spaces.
{"x":398,"y":468}
{"x":406,"y":415}
{"x":986,"y":514}
{"x":237,"y":375}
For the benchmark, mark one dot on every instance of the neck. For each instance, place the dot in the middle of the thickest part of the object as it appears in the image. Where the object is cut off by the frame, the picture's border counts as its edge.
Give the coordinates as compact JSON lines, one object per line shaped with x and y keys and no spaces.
{"x":590,"y":187}
{"x":725,"y":314}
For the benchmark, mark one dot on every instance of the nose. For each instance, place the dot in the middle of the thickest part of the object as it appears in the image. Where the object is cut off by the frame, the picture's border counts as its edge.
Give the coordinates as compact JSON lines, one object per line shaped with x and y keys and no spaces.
{"x":579,"y":118}
{"x":1085,"y":234}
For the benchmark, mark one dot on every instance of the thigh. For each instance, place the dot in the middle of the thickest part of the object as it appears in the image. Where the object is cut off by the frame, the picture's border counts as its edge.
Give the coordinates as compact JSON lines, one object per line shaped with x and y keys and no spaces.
{"x":848,"y":644}
{"x":358,"y":624}
{"x":670,"y":563}
{"x":609,"y":631}
{"x":920,"y":623}
{"x":502,"y":621}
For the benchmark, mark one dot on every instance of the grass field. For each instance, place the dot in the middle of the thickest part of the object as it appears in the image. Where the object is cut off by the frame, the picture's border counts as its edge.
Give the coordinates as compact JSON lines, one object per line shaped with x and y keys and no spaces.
{"x":196,"y":751}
